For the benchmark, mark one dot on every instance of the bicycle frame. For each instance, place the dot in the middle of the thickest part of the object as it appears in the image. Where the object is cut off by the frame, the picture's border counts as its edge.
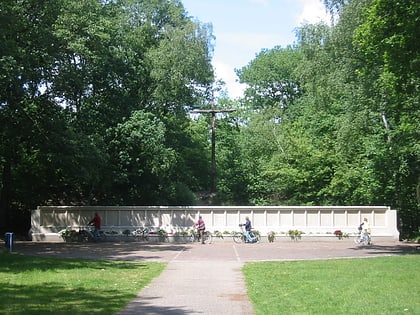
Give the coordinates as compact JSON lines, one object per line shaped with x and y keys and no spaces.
{"x":86,"y":234}
{"x":195,"y":236}
{"x":363,"y":238}
{"x":142,"y":233}
{"x":240,"y":237}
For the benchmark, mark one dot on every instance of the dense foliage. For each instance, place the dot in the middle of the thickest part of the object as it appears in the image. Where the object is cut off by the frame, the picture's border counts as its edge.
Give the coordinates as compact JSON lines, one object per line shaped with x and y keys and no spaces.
{"x":94,"y":101}
{"x":335,"y":119}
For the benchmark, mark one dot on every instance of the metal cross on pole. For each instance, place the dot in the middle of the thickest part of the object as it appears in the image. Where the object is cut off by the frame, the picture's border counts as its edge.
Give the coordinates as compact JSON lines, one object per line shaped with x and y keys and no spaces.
{"x":213,"y":112}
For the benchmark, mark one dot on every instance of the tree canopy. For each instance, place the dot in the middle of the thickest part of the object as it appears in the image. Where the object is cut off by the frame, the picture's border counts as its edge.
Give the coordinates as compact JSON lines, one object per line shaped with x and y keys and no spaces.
{"x":95,"y":99}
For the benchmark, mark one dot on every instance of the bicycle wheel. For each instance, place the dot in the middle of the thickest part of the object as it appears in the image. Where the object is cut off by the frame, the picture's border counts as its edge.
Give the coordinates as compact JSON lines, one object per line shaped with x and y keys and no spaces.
{"x":145,"y":236}
{"x":102,"y":236}
{"x":84,"y":236}
{"x":208,"y":237}
{"x":357,"y":239}
{"x":137,"y":235}
{"x":365,"y":239}
{"x":254,"y":237}
{"x":191,"y":238}
{"x":238,"y":237}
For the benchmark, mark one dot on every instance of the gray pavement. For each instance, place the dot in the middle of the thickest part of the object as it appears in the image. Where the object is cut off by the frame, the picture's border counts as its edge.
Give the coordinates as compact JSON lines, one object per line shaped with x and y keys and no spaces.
{"x":212,"y":287}
{"x":207,"y":279}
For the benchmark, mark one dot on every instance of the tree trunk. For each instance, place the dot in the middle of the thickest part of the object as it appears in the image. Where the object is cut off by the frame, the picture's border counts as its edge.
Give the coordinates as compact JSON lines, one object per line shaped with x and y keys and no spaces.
{"x":5,"y":195}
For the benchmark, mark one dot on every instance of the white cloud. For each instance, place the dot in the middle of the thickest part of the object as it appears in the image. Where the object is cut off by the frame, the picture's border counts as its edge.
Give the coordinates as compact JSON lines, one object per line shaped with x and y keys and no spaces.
{"x":239,"y":48}
{"x":236,"y":50}
{"x":313,"y":11}
{"x":250,"y":40}
{"x":226,"y":73}
{"x":256,"y":24}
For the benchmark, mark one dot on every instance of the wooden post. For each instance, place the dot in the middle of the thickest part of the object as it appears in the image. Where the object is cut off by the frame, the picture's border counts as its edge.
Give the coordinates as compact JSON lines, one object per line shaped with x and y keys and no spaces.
{"x":213,"y":112}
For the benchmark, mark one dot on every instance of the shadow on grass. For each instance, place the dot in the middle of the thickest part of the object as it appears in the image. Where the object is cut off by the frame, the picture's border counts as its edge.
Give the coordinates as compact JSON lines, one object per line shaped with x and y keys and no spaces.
{"x":40,"y":285}
{"x":17,"y":263}
{"x":55,"y":299}
{"x":104,"y":250}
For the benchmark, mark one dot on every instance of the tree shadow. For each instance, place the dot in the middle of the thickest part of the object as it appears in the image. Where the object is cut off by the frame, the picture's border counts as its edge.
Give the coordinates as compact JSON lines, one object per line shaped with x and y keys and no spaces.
{"x":105,"y":250}
{"x":399,"y":249}
{"x":148,"y":306}
{"x":44,"y":296}
{"x":35,"y":299}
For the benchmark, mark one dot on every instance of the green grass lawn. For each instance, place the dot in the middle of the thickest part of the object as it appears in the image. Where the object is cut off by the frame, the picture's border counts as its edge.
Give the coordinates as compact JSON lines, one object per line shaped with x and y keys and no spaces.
{"x":385,"y":285}
{"x":35,"y":285}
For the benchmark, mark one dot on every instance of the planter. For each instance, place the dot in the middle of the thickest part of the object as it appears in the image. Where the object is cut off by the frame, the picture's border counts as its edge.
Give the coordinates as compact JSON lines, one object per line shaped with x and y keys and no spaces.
{"x":70,"y":239}
{"x":271,"y":236}
{"x":295,"y":235}
{"x":180,"y":238}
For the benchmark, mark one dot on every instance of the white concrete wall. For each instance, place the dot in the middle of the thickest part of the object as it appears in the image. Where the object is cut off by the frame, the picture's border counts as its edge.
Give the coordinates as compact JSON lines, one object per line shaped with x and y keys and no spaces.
{"x":313,"y":221}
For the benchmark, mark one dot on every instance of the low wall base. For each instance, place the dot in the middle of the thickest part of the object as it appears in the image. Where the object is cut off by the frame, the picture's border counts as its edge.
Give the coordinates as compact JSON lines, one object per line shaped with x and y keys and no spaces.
{"x":55,"y":237}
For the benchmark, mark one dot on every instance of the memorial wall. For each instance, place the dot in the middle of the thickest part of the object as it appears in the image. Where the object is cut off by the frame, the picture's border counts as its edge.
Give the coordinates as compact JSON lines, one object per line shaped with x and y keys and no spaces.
{"x":48,"y":221}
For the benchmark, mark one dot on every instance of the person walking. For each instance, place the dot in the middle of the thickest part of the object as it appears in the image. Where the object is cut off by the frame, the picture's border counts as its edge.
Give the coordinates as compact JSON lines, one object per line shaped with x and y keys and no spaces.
{"x":248,"y":227}
{"x":365,"y":230}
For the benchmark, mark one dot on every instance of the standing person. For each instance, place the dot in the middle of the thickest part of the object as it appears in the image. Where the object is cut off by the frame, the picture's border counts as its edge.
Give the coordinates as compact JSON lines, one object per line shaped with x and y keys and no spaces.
{"x":96,"y":222}
{"x":248,"y":227}
{"x":201,"y":226}
{"x":365,"y":229}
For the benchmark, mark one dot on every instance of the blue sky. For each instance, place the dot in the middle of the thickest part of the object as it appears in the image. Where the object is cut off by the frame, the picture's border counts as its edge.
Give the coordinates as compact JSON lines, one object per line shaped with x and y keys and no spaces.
{"x":243,"y":27}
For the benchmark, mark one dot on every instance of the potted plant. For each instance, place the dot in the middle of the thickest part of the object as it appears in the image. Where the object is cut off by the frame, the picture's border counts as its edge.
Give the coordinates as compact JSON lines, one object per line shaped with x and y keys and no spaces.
{"x":295,"y":234}
{"x":271,"y":236}
{"x":340,"y":235}
{"x":181,"y":236}
{"x":112,"y":235}
{"x":163,"y":235}
{"x":218,"y":234}
{"x":69,"y":235}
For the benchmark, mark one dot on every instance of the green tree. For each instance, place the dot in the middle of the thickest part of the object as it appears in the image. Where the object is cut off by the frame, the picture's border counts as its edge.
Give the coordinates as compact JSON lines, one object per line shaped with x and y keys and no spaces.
{"x":271,"y":78}
{"x":77,"y":74}
{"x":387,"y":42}
{"x":142,"y":162}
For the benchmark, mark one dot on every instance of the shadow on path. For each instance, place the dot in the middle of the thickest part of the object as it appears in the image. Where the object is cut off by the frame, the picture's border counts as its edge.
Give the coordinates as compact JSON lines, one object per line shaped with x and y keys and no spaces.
{"x":399,"y":249}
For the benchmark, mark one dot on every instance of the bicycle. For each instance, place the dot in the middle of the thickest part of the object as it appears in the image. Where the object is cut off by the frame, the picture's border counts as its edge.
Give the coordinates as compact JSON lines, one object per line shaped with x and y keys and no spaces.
{"x":363,"y":238}
{"x":141,"y":234}
{"x":240,"y":237}
{"x":86,"y":234}
{"x":195,"y":236}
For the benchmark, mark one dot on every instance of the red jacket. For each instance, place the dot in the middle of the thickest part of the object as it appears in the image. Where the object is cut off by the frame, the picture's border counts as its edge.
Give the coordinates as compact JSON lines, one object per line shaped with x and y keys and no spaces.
{"x":96,"y":221}
{"x":200,"y":224}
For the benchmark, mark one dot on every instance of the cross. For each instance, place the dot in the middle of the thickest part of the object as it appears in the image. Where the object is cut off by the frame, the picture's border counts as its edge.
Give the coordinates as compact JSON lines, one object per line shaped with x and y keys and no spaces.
{"x":213,"y":112}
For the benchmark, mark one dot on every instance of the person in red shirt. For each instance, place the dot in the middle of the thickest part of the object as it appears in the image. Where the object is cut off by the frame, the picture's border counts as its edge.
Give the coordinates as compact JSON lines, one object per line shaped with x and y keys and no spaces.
{"x":96,"y":222}
{"x":201,"y":228}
